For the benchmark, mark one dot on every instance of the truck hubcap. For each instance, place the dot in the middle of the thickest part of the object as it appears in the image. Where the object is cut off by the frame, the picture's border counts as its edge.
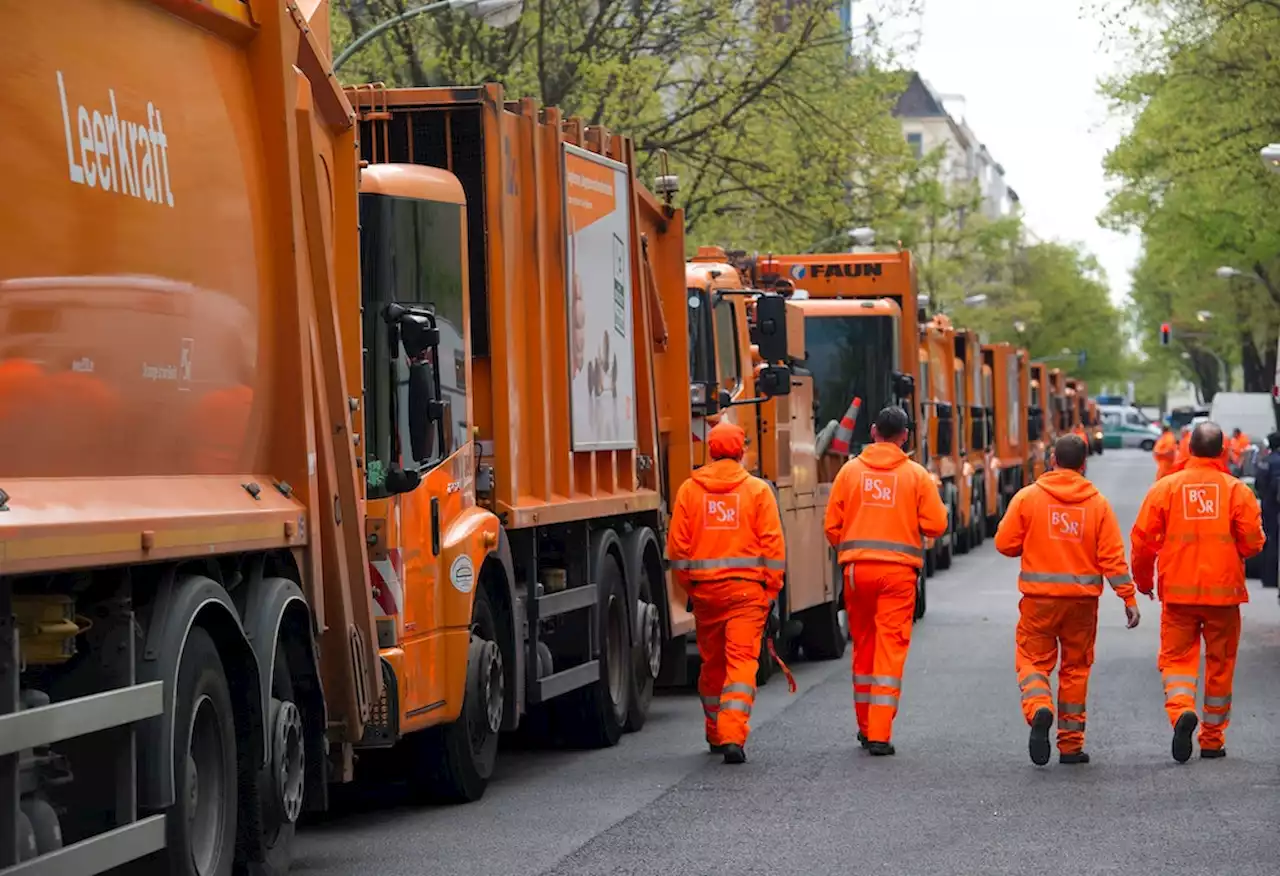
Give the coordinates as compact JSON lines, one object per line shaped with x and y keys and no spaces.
{"x":650,"y":636}
{"x":287,"y":758}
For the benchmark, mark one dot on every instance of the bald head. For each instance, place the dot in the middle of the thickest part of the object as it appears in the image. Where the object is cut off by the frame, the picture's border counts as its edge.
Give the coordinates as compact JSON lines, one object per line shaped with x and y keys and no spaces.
{"x":1206,"y":441}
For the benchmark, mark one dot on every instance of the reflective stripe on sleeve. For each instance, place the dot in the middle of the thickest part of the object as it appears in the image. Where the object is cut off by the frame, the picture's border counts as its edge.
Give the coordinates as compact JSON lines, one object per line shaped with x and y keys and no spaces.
{"x":872,"y":544}
{"x":1120,"y":580}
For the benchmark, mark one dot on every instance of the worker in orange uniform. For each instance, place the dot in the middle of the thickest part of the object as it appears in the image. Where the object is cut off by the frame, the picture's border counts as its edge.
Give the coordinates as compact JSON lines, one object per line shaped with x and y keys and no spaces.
{"x":1184,"y":448}
{"x":1201,"y":524}
{"x":1236,"y":447}
{"x":880,"y":504}
{"x":1165,"y":451}
{"x":727,"y":550}
{"x":1069,"y":540}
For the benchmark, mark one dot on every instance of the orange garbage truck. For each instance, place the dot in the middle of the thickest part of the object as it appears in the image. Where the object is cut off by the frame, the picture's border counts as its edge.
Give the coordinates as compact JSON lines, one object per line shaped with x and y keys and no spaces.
{"x":940,"y":407}
{"x":1011,"y":382}
{"x":1039,"y":419}
{"x":724,"y":329}
{"x":333,"y":422}
{"x":862,"y":342}
{"x":975,"y":428}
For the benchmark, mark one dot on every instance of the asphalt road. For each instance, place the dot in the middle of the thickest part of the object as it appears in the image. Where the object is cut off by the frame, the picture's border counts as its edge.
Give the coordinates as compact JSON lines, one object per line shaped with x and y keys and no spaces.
{"x":961,"y":796}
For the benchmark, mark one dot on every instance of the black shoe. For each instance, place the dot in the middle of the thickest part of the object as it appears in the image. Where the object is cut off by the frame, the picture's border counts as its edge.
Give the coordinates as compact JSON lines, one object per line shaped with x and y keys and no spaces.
{"x":862,"y":739}
{"x":734,"y":754}
{"x":1073,"y":757}
{"x":1039,"y":743}
{"x":881,"y":749}
{"x":1213,"y":753}
{"x":1182,"y":733}
{"x":715,"y":748}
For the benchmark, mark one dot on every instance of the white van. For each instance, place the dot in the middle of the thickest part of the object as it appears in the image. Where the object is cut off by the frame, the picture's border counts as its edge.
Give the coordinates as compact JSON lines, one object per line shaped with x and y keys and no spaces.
{"x":1250,"y":412}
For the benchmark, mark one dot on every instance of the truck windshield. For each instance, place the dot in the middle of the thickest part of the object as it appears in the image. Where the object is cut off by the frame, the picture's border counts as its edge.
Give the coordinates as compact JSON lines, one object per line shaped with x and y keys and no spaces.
{"x":410,"y":253}
{"x":851,"y":356}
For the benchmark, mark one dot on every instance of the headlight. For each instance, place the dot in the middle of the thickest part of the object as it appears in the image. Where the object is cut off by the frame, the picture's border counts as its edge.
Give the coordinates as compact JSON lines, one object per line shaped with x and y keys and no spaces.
{"x":1097,"y":435}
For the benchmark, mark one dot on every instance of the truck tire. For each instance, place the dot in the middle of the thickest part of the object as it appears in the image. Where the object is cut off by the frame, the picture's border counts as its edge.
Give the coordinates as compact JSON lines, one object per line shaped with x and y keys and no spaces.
{"x":646,"y":647}
{"x":455,"y":761}
{"x":602,"y":705}
{"x":943,"y":560}
{"x":201,"y":824}
{"x":281,"y":782}
{"x":822,"y":637}
{"x":963,"y":540}
{"x":922,"y":595}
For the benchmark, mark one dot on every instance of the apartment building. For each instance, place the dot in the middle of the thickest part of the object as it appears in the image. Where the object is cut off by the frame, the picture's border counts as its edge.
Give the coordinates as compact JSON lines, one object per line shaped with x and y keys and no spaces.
{"x":928,"y":125}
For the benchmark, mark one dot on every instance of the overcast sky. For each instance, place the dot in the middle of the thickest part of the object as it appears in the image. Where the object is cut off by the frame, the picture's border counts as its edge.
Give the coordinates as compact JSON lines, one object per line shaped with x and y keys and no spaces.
{"x":1028,"y":70}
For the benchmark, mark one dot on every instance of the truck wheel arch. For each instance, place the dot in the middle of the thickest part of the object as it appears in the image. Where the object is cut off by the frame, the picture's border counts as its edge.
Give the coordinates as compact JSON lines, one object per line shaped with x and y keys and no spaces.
{"x":180,"y":604}
{"x":499,"y":565}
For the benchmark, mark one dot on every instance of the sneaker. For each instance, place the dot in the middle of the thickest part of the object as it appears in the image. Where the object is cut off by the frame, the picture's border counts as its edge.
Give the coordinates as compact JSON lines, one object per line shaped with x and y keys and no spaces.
{"x":881,"y":749}
{"x":1039,"y":742}
{"x":1213,"y":753}
{"x":734,"y":754}
{"x":1183,"y":730}
{"x":1073,"y":757}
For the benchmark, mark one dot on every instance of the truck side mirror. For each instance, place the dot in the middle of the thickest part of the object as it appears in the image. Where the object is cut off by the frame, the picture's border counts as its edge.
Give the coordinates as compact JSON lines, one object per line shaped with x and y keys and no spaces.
{"x":705,"y":399}
{"x":945,"y":419}
{"x":725,"y":399}
{"x":413,"y":328}
{"x":771,"y":328}
{"x":774,"y":380}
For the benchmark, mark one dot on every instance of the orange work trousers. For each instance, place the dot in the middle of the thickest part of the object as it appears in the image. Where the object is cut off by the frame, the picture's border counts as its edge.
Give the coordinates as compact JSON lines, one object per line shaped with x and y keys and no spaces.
{"x":1049,"y":626}
{"x":730,"y":618}
{"x":880,"y":599}
{"x":1181,"y":627}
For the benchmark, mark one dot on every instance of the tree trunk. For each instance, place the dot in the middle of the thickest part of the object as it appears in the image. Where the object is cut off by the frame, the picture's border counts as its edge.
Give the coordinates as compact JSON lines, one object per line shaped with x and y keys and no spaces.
{"x":1207,"y":374}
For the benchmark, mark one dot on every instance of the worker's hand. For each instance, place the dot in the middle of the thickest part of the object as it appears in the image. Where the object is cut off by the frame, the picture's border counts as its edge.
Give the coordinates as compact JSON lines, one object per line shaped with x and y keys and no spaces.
{"x":1145,"y":588}
{"x":1132,"y":615}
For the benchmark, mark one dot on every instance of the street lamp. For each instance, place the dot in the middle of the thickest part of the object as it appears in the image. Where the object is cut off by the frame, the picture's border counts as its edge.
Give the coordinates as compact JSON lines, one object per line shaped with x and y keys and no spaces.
{"x":1270,"y":156}
{"x":496,"y":13}
{"x":1019,"y":326}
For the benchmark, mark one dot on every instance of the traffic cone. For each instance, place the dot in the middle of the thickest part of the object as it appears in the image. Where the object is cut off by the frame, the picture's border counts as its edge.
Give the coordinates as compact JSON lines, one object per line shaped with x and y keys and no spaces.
{"x":844,"y":433}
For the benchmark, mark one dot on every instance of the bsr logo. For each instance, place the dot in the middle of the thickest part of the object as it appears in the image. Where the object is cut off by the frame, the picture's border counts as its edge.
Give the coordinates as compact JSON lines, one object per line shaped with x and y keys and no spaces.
{"x":879,"y":489}
{"x":1200,"y":501}
{"x":721,"y":512}
{"x":1066,"y":524}
{"x":1063,"y":523}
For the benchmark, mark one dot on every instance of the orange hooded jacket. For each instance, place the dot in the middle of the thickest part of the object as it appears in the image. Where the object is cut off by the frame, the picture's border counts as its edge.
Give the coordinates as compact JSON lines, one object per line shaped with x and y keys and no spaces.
{"x":725,"y":525}
{"x":880,"y":503}
{"x":1068,"y":538}
{"x":1201,"y":523}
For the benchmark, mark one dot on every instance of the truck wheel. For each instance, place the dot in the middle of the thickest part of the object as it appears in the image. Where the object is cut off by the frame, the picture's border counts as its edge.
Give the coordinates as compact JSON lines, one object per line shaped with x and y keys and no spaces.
{"x":603,"y":704}
{"x":282,"y":781}
{"x":944,"y":545}
{"x":922,"y":595}
{"x":963,"y":535}
{"x":457,"y":759}
{"x":201,"y":824}
{"x":646,"y":649}
{"x":822,"y":637}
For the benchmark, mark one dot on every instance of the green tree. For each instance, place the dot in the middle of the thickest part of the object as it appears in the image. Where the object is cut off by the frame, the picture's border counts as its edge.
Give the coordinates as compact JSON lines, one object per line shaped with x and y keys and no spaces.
{"x":778,"y":134}
{"x":1203,"y":97}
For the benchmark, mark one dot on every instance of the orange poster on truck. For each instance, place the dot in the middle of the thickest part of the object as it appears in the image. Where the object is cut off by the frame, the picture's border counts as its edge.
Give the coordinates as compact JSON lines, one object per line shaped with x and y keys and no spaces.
{"x":602,"y":375}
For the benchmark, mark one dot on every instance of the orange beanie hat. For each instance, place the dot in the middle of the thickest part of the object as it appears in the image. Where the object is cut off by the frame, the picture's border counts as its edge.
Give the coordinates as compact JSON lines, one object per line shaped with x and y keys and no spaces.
{"x":726,"y":441}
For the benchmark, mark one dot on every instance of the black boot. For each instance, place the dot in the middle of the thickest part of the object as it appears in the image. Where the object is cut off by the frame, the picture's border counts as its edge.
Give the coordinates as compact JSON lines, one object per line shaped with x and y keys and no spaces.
{"x":1039,"y":742}
{"x":1213,"y":753}
{"x":734,"y":754}
{"x":862,"y":739}
{"x":1182,"y":733}
{"x":881,"y":749}
{"x":1073,"y":757}
{"x":715,"y":748}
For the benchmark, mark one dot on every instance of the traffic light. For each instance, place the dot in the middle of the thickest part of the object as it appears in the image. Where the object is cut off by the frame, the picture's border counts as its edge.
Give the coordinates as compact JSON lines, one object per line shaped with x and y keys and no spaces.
{"x":1166,"y":334}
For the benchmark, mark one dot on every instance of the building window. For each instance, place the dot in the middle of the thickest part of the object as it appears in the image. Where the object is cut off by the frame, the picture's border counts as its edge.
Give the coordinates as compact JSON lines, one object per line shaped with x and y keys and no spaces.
{"x":916,"y":142}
